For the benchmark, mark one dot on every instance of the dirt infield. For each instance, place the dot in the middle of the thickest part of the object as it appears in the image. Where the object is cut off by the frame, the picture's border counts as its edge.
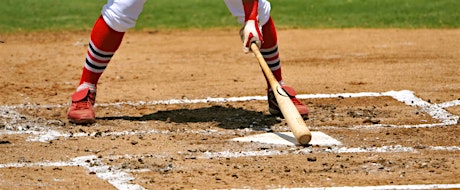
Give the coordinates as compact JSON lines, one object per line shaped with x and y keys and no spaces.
{"x":166,"y":117}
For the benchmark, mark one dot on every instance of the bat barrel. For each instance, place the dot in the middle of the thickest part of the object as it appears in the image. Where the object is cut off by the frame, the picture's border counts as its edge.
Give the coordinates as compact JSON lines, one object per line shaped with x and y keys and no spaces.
{"x":304,"y":139}
{"x":293,"y":118}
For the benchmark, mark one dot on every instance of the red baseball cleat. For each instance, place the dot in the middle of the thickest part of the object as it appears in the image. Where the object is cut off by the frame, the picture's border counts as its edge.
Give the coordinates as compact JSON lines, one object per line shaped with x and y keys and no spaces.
{"x":81,"y":110}
{"x":274,"y":109}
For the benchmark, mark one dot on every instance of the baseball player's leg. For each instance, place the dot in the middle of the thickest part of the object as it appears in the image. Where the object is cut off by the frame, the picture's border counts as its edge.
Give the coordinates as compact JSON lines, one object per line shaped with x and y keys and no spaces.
{"x":122,"y":15}
{"x":104,"y":42}
{"x":117,"y":16}
{"x":268,"y":49}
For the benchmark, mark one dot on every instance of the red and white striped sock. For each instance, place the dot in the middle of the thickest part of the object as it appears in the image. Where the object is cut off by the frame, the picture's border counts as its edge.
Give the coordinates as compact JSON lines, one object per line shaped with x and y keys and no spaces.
{"x":269,"y":50}
{"x":102,"y":46}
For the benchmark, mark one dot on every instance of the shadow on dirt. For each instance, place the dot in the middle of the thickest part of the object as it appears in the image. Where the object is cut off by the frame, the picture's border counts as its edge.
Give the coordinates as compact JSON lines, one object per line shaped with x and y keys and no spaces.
{"x":224,"y":117}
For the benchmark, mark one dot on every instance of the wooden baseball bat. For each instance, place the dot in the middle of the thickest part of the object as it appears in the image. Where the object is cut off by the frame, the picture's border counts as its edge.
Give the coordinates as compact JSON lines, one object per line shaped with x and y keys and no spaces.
{"x":292,"y":117}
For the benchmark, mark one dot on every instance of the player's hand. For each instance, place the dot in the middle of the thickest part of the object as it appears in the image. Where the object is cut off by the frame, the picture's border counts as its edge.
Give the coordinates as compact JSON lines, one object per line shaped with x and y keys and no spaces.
{"x":250,"y":33}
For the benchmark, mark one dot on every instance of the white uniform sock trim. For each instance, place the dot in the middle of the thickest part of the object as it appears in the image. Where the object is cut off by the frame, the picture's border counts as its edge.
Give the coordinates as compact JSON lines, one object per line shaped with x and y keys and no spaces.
{"x":92,"y":87}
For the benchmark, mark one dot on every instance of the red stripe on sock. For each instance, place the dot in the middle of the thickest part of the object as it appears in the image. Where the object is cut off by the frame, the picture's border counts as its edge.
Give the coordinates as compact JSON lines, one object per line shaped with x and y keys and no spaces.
{"x":97,"y":60}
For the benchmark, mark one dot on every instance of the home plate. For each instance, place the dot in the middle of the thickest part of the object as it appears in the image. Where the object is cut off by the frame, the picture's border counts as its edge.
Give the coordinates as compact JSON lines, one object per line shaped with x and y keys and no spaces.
{"x":287,"y":138}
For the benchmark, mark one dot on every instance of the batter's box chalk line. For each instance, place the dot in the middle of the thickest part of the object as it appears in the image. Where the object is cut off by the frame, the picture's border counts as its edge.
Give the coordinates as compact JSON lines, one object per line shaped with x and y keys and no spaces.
{"x":434,"y":110}
{"x":40,"y":131}
{"x":113,"y":175}
{"x":121,"y":179}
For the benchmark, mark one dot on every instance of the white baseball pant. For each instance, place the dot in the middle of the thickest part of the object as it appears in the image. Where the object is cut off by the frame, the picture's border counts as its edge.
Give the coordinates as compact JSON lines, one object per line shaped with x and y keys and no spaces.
{"x":121,"y":15}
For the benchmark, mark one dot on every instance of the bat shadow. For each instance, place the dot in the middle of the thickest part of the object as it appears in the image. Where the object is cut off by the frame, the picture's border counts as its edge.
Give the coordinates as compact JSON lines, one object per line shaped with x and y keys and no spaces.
{"x":224,"y":117}
{"x":287,"y":138}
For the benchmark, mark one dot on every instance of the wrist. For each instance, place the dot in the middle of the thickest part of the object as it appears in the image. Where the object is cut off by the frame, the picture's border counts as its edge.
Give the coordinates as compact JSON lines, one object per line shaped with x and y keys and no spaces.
{"x":250,"y":9}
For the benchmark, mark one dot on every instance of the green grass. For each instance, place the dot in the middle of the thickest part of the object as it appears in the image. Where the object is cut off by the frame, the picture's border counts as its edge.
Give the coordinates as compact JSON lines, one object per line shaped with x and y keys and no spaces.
{"x":74,"y":15}
{"x":369,"y":13}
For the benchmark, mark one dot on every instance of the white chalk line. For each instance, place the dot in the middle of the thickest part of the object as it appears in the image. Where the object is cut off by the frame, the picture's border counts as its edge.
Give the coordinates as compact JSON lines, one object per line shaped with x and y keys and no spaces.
{"x":434,"y":110}
{"x":449,"y":104}
{"x":405,"y":96}
{"x":46,"y":136}
{"x":44,"y":133}
{"x":334,"y":149}
{"x":116,"y":177}
{"x":121,"y":179}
